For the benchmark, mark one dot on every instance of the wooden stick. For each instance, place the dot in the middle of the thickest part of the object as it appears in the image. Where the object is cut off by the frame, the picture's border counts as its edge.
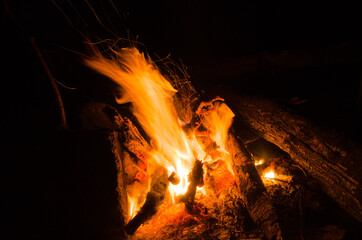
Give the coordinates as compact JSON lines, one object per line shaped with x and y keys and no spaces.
{"x":253,"y":191}
{"x":58,"y":98}
{"x":153,"y":200}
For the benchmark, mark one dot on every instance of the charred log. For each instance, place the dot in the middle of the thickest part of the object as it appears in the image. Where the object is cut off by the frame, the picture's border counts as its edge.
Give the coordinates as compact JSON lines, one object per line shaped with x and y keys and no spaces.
{"x":253,"y":192}
{"x":133,"y":140}
{"x":331,"y":159}
{"x":174,"y":179}
{"x":196,"y":180}
{"x":153,"y":201}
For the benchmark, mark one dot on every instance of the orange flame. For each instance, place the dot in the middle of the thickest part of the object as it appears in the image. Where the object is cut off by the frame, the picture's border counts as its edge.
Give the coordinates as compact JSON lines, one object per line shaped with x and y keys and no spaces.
{"x":270,"y":174}
{"x":218,"y":123}
{"x":151,"y":96}
{"x":260,"y":162}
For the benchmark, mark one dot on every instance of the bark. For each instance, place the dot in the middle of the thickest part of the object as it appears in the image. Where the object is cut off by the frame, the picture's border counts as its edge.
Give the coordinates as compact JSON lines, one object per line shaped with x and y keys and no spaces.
{"x":253,"y":192}
{"x":333,"y":160}
{"x":118,"y":156}
{"x":133,"y":140}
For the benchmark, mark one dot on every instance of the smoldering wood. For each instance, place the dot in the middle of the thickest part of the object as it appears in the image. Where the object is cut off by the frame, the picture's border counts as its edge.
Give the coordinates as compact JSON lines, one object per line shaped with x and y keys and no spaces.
{"x":131,"y":152}
{"x":253,"y":191}
{"x":101,"y":116}
{"x":196,"y":180}
{"x":330,"y":158}
{"x":135,"y":149}
{"x":174,"y":179}
{"x":133,"y":140}
{"x":153,"y":200}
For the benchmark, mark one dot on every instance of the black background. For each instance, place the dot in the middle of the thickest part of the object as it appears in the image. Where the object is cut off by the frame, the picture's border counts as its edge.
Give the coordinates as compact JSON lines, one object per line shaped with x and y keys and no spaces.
{"x":198,"y":33}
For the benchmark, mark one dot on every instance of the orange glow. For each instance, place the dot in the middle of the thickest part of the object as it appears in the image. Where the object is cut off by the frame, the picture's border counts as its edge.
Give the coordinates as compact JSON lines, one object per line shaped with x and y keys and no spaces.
{"x":260,"y":162}
{"x":132,"y":205}
{"x":218,"y":123}
{"x":152,"y":98}
{"x":270,"y":174}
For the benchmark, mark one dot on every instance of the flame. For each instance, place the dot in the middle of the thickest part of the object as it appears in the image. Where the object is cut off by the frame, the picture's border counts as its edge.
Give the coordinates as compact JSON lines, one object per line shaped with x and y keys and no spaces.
{"x":218,"y":121}
{"x":260,"y":162}
{"x":270,"y":174}
{"x":152,"y":98}
{"x":132,"y":206}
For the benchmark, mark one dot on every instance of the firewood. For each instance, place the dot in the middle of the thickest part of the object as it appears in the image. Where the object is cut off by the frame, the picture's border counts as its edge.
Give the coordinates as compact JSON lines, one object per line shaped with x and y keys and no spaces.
{"x":331,"y":159}
{"x":133,"y":140}
{"x":196,"y":180}
{"x":253,"y":192}
{"x":153,"y":200}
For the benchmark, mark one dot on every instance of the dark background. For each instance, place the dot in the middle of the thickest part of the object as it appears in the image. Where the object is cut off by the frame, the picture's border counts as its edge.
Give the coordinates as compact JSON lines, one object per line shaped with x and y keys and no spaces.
{"x":305,"y":49}
{"x":289,"y":51}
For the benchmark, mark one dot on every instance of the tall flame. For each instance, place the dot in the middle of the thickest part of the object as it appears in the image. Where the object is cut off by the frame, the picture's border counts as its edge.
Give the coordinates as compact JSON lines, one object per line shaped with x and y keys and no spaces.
{"x":152,"y":98}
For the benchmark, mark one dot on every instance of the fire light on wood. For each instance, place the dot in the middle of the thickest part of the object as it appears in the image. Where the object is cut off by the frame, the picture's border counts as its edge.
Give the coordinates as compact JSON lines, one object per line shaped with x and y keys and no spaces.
{"x":270,"y":174}
{"x":176,"y":144}
{"x":194,"y":176}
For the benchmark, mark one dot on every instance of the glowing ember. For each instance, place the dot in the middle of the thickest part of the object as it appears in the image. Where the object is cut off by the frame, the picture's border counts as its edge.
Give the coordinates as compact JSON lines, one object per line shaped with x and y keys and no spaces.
{"x":270,"y":174}
{"x":260,"y":162}
{"x":152,"y":98}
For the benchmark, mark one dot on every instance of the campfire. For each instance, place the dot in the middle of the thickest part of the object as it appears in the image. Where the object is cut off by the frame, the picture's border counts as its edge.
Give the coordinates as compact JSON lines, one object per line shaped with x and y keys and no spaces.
{"x":196,"y":178}
{"x":182,"y":149}
{"x":104,"y":142}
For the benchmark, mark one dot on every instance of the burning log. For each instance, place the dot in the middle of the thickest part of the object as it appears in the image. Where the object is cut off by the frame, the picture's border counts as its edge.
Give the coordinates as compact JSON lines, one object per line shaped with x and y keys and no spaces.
{"x":153,"y":200}
{"x":133,"y":140}
{"x":196,"y":179}
{"x":174,"y":179}
{"x":332,"y":160}
{"x":253,"y":192}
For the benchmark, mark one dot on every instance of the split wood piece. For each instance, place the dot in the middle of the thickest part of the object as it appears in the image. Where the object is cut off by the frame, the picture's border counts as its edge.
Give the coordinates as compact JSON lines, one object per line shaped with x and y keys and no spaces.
{"x":333,"y":160}
{"x":253,"y":192}
{"x":136,"y":148}
{"x":153,"y":201}
{"x":133,"y":140}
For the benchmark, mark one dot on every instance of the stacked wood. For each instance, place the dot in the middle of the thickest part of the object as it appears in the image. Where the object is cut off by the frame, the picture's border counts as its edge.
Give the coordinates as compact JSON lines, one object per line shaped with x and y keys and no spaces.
{"x":253,"y":192}
{"x":331,"y":159}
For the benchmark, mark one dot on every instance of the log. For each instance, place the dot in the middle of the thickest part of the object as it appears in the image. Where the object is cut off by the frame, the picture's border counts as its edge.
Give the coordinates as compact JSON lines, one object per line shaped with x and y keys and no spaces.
{"x":253,"y":191}
{"x":150,"y":207}
{"x":196,"y":179}
{"x":330,"y":158}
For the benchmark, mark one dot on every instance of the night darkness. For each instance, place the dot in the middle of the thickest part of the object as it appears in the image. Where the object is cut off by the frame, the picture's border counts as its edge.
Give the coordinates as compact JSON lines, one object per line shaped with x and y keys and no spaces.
{"x":282,"y":50}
